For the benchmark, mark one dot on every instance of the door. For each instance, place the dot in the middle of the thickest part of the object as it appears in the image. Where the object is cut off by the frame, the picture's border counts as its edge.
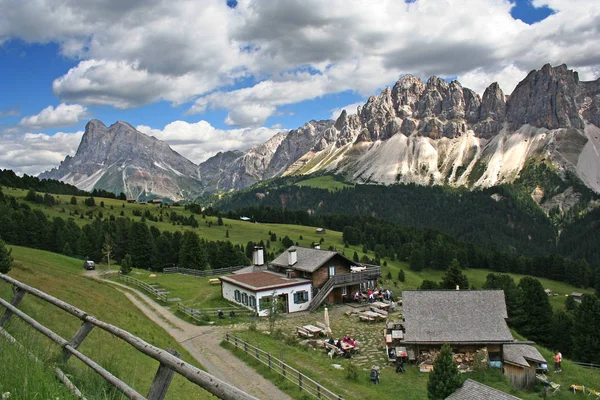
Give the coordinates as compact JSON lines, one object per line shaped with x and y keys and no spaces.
{"x":284,"y":299}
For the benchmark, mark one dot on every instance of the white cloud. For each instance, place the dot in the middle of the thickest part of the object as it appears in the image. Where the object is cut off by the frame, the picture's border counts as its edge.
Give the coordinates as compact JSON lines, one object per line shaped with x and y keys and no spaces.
{"x":200,"y":141}
{"x":350,"y":109}
{"x":33,"y":153}
{"x":50,"y":117}
{"x":136,"y":52}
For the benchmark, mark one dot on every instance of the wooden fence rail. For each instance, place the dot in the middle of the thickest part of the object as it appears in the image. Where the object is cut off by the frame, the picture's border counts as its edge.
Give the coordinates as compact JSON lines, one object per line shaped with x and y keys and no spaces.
{"x":586,"y":365}
{"x":303,"y":382}
{"x":207,"y":272}
{"x":197,"y":313}
{"x":168,"y":361}
{"x":159,"y":294}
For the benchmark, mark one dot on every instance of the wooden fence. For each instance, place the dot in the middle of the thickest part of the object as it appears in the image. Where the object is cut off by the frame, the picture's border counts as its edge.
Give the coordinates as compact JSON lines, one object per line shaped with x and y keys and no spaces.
{"x":170,"y":363}
{"x":303,"y":382}
{"x":206,"y":272}
{"x":197,"y":313}
{"x":586,"y":365}
{"x":159,"y":294}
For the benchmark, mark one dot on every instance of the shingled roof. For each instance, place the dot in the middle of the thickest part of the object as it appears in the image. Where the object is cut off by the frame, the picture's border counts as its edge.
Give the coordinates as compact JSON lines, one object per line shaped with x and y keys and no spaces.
{"x":263,"y":280}
{"x":472,"y":390}
{"x":308,"y":259}
{"x":519,"y":353}
{"x":469,"y":316}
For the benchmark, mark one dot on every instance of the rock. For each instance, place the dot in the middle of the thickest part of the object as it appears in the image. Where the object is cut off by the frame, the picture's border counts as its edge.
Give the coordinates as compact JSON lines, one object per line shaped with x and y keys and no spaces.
{"x":546,"y":98}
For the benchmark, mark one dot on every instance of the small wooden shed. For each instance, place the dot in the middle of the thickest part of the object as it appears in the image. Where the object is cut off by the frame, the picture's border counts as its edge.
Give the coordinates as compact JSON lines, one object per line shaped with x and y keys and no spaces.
{"x":520,"y":363}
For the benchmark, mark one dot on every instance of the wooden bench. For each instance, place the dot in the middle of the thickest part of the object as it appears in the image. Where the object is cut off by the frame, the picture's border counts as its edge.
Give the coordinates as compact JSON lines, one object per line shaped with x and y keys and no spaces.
{"x":303,"y":332}
{"x":336,"y":350}
{"x":366,"y":318}
{"x":214,"y":281}
{"x":321,"y":325}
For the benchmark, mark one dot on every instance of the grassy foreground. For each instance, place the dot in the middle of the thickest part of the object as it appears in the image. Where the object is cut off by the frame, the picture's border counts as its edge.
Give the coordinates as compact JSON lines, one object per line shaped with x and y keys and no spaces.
{"x":59,"y":276}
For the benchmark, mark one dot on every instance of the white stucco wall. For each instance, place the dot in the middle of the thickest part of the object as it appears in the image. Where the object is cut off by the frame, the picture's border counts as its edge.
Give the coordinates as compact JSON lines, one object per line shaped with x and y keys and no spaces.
{"x":229,"y":294}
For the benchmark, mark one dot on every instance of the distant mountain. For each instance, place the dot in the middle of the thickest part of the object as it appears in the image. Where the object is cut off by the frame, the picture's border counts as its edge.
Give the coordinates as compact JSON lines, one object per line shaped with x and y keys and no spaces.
{"x":121,"y":159}
{"x":429,"y":133}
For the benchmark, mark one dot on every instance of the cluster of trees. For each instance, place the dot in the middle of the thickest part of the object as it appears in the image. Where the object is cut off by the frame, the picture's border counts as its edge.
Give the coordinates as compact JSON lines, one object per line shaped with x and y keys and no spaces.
{"x":46,"y":199}
{"x":9,"y":179}
{"x":503,"y":217}
{"x":574,"y":332}
{"x":148,"y":247}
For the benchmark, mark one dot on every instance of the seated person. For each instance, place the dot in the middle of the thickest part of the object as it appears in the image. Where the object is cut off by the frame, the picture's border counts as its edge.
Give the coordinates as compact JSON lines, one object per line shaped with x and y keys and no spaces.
{"x":391,"y":353}
{"x":339,"y":344}
{"x":220,"y":312}
{"x":399,"y":366}
{"x":331,"y":341}
{"x":231,"y":314}
{"x":346,"y":338}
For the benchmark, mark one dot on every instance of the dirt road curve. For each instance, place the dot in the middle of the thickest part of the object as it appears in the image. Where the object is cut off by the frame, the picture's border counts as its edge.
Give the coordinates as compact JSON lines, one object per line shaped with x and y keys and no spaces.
{"x":203,"y":343}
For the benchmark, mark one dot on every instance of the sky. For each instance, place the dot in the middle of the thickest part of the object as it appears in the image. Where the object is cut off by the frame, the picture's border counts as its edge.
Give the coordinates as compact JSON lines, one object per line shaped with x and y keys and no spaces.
{"x":217,"y":75}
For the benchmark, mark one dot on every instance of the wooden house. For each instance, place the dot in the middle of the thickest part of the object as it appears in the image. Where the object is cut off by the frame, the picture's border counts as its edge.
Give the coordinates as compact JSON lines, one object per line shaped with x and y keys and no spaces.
{"x":473,"y":390}
{"x":329,"y":272}
{"x":467,"y":320}
{"x":521,"y":361}
{"x":577,"y":296}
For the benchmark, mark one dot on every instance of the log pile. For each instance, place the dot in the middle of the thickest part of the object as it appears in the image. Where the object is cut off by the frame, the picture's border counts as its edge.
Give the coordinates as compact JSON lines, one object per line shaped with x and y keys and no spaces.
{"x":466,"y":362}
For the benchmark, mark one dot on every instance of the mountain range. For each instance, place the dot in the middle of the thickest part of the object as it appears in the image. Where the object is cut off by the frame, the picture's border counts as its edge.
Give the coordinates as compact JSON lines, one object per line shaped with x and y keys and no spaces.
{"x":429,"y":133}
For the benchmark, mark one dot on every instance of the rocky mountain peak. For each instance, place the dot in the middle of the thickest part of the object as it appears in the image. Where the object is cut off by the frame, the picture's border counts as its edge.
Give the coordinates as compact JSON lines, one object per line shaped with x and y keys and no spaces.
{"x":546,"y":98}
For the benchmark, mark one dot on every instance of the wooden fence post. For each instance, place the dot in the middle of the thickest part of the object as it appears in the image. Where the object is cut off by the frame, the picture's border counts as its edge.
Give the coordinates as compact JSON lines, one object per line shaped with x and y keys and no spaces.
{"x":283,"y":368}
{"x":300,"y":380}
{"x":246,"y":346}
{"x":79,"y":337}
{"x":269,"y":357}
{"x":19,"y":294}
{"x":162,"y":380}
{"x":318,"y":392}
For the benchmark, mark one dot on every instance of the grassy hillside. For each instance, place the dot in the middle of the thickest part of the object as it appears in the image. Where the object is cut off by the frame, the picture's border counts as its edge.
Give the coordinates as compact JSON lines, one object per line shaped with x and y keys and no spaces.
{"x":323,"y":182}
{"x":59,"y":276}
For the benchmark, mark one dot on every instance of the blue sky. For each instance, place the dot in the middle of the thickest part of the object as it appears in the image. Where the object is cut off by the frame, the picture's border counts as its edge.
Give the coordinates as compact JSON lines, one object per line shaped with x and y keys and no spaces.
{"x":218,"y":75}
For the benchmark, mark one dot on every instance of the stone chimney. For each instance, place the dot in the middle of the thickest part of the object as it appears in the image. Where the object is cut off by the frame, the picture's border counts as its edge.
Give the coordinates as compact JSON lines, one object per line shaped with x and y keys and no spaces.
{"x":292,"y":257}
{"x":258,"y":257}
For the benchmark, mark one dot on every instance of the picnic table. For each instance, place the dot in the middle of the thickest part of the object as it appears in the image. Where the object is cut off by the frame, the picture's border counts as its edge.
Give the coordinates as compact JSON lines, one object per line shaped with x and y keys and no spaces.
{"x":381,"y":305}
{"x":347,"y":346}
{"x":372,"y":315}
{"x":397,"y":334}
{"x":315,"y":330}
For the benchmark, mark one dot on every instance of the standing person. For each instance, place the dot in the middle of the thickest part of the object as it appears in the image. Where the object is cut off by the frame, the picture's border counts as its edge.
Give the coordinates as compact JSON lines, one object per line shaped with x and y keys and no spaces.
{"x":559,"y":361}
{"x":556,"y":362}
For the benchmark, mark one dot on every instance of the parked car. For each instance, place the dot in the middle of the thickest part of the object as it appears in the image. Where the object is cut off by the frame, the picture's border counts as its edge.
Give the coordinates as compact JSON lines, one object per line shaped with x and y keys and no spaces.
{"x":89,"y":265}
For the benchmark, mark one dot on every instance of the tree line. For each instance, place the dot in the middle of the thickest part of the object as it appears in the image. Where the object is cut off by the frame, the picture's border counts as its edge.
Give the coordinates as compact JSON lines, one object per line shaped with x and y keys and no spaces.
{"x":148,"y":247}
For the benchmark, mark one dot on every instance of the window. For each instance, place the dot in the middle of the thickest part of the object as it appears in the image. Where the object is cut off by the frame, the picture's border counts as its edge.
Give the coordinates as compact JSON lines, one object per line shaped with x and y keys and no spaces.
{"x":331,"y":270}
{"x":265,"y":302}
{"x":252,"y":301}
{"x":300,"y":297}
{"x":237,"y":296}
{"x":345,"y":291}
{"x":245,"y":299}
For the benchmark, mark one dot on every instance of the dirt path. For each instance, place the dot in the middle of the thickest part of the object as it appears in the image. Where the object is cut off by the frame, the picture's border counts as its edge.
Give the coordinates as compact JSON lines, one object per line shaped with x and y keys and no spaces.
{"x":203,"y":343}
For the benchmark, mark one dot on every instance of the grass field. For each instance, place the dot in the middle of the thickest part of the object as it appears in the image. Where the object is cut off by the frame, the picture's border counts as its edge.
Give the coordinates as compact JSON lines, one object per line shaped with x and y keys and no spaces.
{"x":324,"y":182}
{"x":59,"y":276}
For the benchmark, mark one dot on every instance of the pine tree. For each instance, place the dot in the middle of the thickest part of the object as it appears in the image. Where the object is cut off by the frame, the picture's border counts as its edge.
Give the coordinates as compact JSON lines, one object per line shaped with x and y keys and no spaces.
{"x":401,"y":276}
{"x":416,"y":260}
{"x":74,"y":200}
{"x":445,"y":378}
{"x":220,"y":221}
{"x":140,"y":245}
{"x":535,"y":322}
{"x":126,"y":264}
{"x":454,"y":277}
{"x":192,"y":254}
{"x":6,"y":259}
{"x":586,"y":325}
{"x":67,"y":250}
{"x":355,"y":257}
